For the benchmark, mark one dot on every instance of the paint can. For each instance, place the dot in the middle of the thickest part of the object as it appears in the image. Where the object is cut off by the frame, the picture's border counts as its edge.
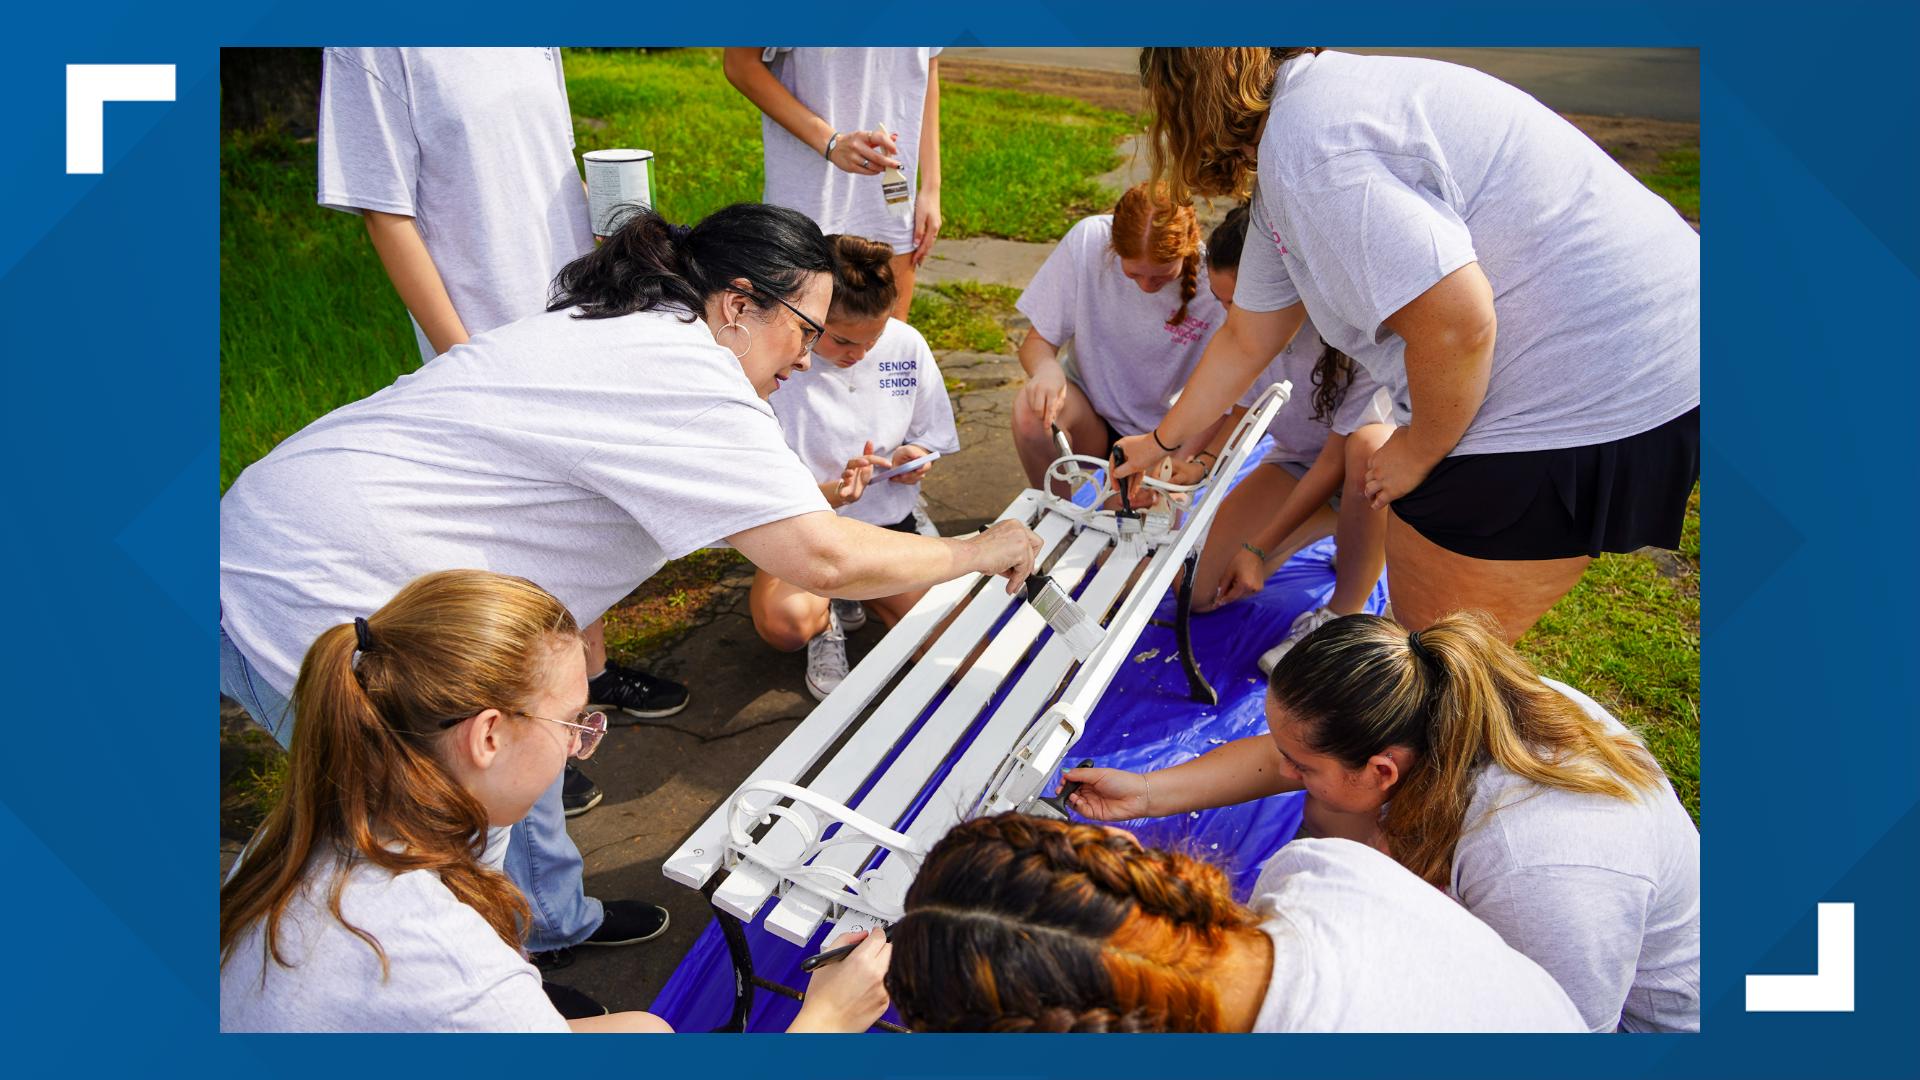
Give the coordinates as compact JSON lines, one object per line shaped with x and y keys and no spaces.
{"x":616,"y":179}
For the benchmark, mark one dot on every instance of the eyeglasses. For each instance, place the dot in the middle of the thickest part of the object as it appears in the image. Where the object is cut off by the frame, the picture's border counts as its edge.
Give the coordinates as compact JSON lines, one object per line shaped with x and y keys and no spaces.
{"x":811,"y":334}
{"x":591,"y":725}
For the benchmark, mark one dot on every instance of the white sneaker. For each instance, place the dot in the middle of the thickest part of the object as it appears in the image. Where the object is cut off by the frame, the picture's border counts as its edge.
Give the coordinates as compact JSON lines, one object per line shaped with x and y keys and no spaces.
{"x":922,"y":524}
{"x":827,"y":659}
{"x":851,"y":613}
{"x":1307,"y":623}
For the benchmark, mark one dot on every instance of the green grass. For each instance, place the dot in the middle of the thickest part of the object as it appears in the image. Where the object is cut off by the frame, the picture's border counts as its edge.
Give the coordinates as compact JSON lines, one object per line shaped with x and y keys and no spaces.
{"x":1629,"y":636}
{"x":964,"y":315}
{"x":1013,"y":165}
{"x":1677,"y":179}
{"x":309,"y":322}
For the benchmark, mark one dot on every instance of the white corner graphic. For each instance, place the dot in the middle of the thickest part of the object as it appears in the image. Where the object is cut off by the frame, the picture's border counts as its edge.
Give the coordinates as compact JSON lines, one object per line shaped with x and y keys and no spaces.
{"x":89,"y":88}
{"x":1830,"y":988}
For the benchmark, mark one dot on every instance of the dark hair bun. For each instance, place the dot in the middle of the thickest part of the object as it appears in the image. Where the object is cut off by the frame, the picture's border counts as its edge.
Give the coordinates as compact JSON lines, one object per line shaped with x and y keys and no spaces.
{"x":863,"y":285}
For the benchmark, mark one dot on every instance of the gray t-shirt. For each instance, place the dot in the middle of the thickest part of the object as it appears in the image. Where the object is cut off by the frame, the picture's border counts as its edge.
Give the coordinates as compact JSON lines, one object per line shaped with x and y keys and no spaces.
{"x":892,"y":397}
{"x":476,"y":145}
{"x":854,"y":90}
{"x":1379,"y":176}
{"x":447,"y":969}
{"x":1127,"y":360}
{"x":578,"y":453}
{"x":1602,"y":892}
{"x":1361,"y":944}
{"x":1297,"y":436}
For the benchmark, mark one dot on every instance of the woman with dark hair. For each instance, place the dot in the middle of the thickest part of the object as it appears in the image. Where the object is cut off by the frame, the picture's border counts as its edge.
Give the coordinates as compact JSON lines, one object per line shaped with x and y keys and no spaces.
{"x":1021,"y":924}
{"x":581,"y":448}
{"x":1533,"y":309}
{"x":870,"y":399}
{"x":1519,"y":796}
{"x":363,"y":903}
{"x":1337,"y":417}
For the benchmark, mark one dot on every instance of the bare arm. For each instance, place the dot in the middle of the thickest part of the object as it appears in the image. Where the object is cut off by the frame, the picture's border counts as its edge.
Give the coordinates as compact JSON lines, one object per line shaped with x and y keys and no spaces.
{"x":750,"y":75}
{"x":1449,"y":331}
{"x":404,"y":254}
{"x":926,"y":206}
{"x":1245,"y":344}
{"x":830,"y":555}
{"x":1046,"y":389}
{"x":1241,"y":771}
{"x":624,"y":1022}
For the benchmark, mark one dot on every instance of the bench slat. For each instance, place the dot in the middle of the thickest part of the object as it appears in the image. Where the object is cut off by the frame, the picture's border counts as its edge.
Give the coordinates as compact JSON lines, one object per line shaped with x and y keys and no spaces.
{"x":748,"y":885}
{"x":799,"y":913}
{"x":700,"y":854}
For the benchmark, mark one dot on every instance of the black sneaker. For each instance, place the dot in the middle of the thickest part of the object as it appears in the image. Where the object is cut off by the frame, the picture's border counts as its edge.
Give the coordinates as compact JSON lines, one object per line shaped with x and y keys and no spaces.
{"x":573,"y":1004}
{"x":629,"y":922}
{"x":627,"y":692}
{"x":578,"y":792}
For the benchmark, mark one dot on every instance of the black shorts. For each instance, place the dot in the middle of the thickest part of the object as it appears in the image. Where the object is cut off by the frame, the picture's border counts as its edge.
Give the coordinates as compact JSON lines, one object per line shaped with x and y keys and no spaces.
{"x":904,"y":525}
{"x":1557,"y":504}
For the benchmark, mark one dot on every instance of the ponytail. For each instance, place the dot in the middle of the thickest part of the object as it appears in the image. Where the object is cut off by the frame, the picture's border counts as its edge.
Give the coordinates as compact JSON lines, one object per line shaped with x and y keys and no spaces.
{"x":365,"y":780}
{"x":1459,"y":697}
{"x":1147,"y":225}
{"x":647,"y":264}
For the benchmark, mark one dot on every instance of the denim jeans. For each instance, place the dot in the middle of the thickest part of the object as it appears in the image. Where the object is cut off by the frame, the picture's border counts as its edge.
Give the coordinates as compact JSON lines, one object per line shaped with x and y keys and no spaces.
{"x":539,"y":856}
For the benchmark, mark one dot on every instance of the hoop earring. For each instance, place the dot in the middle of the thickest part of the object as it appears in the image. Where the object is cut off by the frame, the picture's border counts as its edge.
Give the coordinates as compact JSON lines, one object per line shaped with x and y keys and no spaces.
{"x":740,"y":354}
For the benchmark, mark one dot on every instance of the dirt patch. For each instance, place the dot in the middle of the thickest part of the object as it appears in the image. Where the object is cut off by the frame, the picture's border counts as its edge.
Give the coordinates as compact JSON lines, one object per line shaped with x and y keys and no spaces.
{"x":1636,"y":142}
{"x":1104,"y":89}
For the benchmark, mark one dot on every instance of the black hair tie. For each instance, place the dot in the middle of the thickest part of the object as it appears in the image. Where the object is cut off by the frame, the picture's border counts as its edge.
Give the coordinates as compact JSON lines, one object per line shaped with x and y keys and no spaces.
{"x":1420,"y":652}
{"x":678,"y":233}
{"x":363,"y":635}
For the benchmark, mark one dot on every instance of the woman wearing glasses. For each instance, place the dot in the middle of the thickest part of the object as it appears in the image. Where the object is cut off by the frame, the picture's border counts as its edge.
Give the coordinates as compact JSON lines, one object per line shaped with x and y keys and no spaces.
{"x":581,"y":448}
{"x":363,"y":903}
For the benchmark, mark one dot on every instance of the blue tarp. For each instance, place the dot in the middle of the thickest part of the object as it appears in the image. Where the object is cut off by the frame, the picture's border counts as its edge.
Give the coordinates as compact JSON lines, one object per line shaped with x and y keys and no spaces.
{"x":1144,"y":721}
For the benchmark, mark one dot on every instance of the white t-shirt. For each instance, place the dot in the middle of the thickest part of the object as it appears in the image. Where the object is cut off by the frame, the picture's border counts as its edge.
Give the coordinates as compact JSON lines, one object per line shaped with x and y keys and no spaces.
{"x":854,"y":90}
{"x":1128,"y":361}
{"x":1297,"y":436}
{"x":476,"y":145}
{"x":1603,"y":893}
{"x":893,"y":396}
{"x":447,"y":969}
{"x":578,"y":453}
{"x":1381,"y":175}
{"x":1361,"y":944}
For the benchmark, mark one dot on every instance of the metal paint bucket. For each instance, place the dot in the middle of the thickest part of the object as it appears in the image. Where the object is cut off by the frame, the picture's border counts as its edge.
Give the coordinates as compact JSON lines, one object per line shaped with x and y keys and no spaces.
{"x":616,"y":179}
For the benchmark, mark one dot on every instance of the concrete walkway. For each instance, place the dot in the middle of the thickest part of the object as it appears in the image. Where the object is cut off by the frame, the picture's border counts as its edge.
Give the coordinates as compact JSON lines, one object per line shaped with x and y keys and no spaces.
{"x":1663,"y":84}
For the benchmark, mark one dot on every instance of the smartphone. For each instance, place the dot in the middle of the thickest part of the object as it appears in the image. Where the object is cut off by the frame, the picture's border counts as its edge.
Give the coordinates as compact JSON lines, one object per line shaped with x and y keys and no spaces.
{"x":898,"y":470}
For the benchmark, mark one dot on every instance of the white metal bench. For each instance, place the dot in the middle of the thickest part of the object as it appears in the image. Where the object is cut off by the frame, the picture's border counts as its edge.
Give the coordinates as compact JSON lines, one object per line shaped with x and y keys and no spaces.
{"x":832,"y":826}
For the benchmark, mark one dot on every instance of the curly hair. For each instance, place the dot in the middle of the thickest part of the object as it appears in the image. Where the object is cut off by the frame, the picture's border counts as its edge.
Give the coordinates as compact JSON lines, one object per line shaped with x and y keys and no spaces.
{"x":1207,"y":108}
{"x":1017,"y":923}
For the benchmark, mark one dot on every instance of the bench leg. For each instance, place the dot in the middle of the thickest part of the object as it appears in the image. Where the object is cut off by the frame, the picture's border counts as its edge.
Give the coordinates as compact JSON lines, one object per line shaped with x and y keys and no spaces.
{"x":1197,"y":686}
{"x":742,"y":957}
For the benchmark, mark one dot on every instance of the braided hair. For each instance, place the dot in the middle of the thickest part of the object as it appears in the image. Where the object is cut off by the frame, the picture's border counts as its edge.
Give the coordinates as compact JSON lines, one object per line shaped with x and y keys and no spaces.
{"x":1018,"y":923}
{"x":1147,"y":225}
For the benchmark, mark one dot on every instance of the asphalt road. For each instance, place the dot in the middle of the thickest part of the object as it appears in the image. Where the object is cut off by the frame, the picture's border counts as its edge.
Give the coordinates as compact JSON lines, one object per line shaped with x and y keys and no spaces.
{"x":1660,"y":83}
